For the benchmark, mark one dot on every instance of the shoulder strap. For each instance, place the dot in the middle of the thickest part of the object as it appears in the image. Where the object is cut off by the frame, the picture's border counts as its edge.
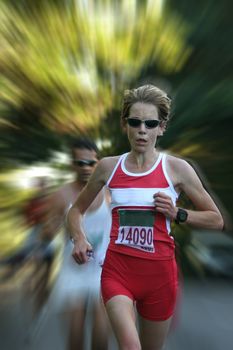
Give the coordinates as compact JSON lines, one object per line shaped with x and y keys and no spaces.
{"x":115,"y":168}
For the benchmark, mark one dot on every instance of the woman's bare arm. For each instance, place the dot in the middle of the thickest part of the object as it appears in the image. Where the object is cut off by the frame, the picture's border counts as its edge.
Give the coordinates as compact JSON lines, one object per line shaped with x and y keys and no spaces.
{"x":206,"y":214}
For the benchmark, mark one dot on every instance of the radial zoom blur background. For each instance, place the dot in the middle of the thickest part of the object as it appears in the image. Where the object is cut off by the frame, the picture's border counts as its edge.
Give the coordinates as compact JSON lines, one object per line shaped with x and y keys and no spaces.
{"x":64,"y":65}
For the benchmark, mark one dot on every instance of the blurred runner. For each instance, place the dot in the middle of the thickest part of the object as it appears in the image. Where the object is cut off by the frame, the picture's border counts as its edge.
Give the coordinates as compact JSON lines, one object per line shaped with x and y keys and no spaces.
{"x":39,"y":249}
{"x":76,"y":292}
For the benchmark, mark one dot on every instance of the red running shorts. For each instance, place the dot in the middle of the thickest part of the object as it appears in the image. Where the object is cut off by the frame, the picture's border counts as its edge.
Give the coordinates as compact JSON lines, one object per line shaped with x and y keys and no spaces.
{"x":151,"y":284}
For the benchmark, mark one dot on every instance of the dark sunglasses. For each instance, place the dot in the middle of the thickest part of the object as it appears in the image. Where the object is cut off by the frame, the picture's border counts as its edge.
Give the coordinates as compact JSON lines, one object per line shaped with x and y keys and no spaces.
{"x":84,"y":162}
{"x":150,"y":123}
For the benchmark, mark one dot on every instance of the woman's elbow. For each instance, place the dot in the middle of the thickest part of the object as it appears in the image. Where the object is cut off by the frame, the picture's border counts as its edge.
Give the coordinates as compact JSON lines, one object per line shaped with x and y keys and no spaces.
{"x":219,"y":222}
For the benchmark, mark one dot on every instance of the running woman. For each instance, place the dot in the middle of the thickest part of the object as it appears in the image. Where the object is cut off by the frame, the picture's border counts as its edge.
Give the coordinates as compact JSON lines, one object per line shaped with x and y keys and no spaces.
{"x":139,"y":270}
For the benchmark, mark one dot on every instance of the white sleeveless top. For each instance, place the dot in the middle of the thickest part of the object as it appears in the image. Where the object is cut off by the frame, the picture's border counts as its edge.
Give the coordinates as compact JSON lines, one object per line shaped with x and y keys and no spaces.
{"x":76,"y":281}
{"x":97,"y":225}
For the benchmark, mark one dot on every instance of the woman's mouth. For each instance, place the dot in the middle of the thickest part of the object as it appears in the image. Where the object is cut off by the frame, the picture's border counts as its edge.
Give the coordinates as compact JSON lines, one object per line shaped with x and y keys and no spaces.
{"x":141,"y":141}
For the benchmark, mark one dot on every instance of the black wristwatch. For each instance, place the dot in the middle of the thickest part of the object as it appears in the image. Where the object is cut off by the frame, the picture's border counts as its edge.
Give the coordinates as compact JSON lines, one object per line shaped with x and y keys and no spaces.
{"x":181,"y":216}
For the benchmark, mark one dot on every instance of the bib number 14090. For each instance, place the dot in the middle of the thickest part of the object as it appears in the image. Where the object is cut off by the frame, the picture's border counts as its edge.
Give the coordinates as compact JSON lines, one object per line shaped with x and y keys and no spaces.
{"x":139,"y":237}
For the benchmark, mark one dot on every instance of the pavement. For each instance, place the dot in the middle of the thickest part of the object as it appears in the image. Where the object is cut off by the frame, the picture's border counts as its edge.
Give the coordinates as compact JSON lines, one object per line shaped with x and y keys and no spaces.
{"x":203,"y":320}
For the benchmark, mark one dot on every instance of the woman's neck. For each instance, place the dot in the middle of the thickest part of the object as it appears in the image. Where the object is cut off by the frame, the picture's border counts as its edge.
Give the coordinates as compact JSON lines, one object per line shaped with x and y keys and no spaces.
{"x":143,"y":160}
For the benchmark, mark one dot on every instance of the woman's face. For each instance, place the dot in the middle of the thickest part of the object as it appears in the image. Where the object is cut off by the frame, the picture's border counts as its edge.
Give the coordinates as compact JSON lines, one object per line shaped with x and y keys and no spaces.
{"x":142,"y":138}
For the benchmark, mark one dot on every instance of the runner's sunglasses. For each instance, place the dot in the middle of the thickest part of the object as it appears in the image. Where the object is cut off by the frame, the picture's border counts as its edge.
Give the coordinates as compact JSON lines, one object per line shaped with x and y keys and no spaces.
{"x":84,"y":162}
{"x":149,"y":124}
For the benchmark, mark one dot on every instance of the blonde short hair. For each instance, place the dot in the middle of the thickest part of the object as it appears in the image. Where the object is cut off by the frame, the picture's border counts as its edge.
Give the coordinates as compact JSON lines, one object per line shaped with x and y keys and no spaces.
{"x":147,"y":94}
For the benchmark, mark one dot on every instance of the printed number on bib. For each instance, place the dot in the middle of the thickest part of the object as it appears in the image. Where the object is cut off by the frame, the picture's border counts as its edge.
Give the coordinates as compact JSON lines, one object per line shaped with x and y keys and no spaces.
{"x":136,"y":229}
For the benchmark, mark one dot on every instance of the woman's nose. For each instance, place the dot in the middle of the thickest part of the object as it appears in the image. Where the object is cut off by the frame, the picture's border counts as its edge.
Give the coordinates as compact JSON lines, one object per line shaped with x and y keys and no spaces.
{"x":142,"y":128}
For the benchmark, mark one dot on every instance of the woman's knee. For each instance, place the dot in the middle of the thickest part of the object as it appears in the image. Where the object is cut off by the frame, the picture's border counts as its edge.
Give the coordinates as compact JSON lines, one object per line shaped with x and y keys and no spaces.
{"x":129,"y":341}
{"x":130,"y":345}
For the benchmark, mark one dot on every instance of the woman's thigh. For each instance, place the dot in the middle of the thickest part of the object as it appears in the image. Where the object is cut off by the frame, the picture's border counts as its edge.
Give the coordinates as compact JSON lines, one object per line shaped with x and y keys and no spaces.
{"x":153,"y":333}
{"x":121,"y":313}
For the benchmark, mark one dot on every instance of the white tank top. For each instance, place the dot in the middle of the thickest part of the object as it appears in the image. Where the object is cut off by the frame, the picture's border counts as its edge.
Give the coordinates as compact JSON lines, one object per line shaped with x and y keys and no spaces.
{"x":97,"y":225}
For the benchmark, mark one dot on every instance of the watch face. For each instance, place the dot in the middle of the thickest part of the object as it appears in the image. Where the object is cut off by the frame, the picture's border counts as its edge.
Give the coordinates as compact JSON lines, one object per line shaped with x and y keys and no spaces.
{"x":182,"y":215}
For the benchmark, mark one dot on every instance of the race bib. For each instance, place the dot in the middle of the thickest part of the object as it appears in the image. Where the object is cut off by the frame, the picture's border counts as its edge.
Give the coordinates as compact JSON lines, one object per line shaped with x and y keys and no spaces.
{"x":136,"y":229}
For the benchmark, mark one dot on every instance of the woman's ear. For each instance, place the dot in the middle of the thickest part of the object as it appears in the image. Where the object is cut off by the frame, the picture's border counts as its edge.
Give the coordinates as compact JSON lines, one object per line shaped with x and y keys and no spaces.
{"x":162,"y":128}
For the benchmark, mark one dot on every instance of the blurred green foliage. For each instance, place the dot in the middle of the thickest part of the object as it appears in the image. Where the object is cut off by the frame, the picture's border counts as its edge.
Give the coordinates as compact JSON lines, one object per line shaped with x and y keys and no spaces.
{"x":64,"y":66}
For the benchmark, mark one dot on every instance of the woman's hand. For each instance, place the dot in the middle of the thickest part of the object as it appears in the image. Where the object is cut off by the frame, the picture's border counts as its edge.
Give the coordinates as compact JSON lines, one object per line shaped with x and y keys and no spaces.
{"x":164,"y":205}
{"x":82,"y":250}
